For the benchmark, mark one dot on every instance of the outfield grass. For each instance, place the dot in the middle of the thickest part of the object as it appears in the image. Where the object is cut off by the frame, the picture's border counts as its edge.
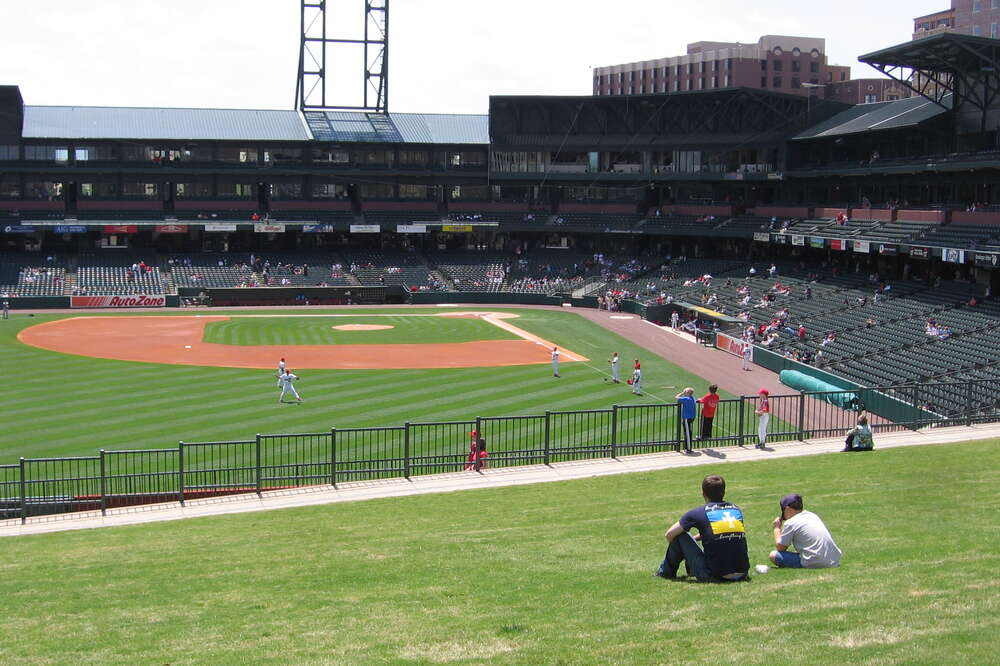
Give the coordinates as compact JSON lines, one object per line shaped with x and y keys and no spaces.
{"x":550,"y":573}
{"x":313,"y":330}
{"x":58,"y":404}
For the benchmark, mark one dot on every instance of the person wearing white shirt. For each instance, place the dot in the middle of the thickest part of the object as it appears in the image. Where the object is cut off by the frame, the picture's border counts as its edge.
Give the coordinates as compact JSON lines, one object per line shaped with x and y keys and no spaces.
{"x":555,"y":361}
{"x":615,"y":370}
{"x":286,"y":380}
{"x":803,"y":531}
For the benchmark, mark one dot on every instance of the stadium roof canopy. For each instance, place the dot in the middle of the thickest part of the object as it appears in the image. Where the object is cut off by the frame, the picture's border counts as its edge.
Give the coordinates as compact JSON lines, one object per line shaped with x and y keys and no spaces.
{"x":964,"y":65}
{"x":147,"y":124}
{"x":879,"y":117}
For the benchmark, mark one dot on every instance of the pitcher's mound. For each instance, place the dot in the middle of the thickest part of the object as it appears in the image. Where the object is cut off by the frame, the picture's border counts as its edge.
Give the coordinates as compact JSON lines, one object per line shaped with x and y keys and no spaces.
{"x":361,"y":327}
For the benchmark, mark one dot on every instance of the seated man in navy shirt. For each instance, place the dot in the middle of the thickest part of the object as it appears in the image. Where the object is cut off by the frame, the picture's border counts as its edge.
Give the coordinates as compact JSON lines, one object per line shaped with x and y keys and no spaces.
{"x":720,"y":529}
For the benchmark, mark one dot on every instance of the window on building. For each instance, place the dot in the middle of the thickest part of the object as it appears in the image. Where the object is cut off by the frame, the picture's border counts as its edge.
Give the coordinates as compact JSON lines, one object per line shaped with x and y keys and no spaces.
{"x":814,"y":67}
{"x":193,"y":190}
{"x":995,"y":4}
{"x":690,"y":68}
{"x":977,"y":5}
{"x":871,"y":99}
{"x":729,"y":63}
{"x":763,"y":82}
{"x":9,"y":153}
{"x":763,"y":65}
{"x":843,"y":76}
{"x":136,"y":190}
{"x":232,"y":190}
{"x":776,"y":65}
{"x":796,"y":83}
{"x":776,"y":82}
{"x":46,"y":153}
{"x":329,"y":191}
{"x":796,"y":66}
{"x":993,"y":30}
{"x":977,"y":30}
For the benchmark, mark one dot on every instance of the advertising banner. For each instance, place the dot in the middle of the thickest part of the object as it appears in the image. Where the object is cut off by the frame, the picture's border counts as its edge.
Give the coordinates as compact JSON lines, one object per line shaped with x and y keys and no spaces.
{"x":120,"y":228}
{"x":762,"y":236}
{"x":69,"y":229}
{"x":953,"y":256}
{"x":219,"y":226}
{"x":269,"y":228}
{"x":366,"y":228}
{"x":798,"y":240}
{"x":18,"y":229}
{"x":864,"y":247}
{"x":172,"y":228}
{"x":727,"y":343}
{"x":817,"y":242}
{"x":986,"y":259}
{"x":779,"y":239}
{"x":920,"y":252}
{"x":837,"y":244}
{"x":888,"y":250}
{"x":457,"y":228}
{"x":411,"y":228}
{"x":318,"y":228}
{"x":126,"y":301}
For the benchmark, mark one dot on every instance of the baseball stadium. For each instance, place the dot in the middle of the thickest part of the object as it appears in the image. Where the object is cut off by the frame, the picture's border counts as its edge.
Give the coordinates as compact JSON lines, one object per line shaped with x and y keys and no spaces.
{"x":291,"y":386}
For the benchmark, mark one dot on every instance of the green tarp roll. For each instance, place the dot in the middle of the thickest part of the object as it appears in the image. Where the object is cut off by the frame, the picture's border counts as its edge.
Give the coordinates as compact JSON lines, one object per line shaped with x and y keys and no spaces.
{"x":829,"y":393}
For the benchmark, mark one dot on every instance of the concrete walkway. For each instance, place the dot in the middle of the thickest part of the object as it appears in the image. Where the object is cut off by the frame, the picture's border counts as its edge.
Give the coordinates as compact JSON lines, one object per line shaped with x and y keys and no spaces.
{"x":491,"y":478}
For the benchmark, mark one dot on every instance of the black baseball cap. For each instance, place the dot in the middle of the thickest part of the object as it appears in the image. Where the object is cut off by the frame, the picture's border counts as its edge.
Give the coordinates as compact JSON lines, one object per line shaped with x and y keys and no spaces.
{"x":793,"y":500}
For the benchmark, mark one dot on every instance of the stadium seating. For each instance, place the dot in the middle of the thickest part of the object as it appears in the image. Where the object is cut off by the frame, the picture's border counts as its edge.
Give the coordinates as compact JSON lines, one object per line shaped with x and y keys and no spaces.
{"x":31,"y":274}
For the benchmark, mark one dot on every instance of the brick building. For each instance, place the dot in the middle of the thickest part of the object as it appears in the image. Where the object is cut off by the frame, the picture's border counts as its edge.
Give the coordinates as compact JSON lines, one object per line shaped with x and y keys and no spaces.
{"x":776,"y":62}
{"x":980,"y":18}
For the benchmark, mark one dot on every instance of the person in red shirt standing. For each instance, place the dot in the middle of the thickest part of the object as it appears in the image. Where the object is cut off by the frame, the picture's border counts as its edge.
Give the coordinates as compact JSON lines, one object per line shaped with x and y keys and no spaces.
{"x":470,"y":461}
{"x":764,"y":412}
{"x":709,"y":402}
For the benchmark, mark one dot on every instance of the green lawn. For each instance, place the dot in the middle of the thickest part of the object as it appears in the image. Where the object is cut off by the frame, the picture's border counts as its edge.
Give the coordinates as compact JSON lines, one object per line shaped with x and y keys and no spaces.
{"x":58,"y":404}
{"x":313,"y":330}
{"x":550,"y":573}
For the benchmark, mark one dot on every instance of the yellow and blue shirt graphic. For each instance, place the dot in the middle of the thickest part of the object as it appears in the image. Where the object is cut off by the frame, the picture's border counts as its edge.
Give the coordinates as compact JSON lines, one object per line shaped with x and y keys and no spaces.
{"x":726,"y":521}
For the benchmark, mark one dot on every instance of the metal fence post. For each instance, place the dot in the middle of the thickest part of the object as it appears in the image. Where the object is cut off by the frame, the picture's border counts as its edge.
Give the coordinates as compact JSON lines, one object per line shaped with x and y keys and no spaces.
{"x":258,"y":471}
{"x":477,"y":462}
{"x":743,"y":421}
{"x":333,"y":457}
{"x":802,"y":416}
{"x":614,"y":431}
{"x":24,"y":495}
{"x":915,"y":400}
{"x":104,"y":486}
{"x":678,"y":436}
{"x":180,"y":472}
{"x":406,"y":450}
{"x":548,"y":431}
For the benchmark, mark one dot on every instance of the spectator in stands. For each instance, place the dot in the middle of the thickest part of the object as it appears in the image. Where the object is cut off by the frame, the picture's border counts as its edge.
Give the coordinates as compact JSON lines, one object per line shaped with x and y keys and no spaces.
{"x":772,"y":271}
{"x":802,"y":332}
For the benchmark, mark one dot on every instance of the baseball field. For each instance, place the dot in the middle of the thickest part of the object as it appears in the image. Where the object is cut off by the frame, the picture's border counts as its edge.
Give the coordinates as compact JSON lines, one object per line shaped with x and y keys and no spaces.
{"x":78,"y":383}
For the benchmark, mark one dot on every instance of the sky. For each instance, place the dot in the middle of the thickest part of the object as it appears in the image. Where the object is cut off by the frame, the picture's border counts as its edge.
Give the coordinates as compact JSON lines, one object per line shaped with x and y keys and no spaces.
{"x":445,"y":56}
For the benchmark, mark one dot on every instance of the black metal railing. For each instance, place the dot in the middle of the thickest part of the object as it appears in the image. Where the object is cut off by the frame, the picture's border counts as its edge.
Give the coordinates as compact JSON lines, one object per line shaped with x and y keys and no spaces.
{"x":37,"y":487}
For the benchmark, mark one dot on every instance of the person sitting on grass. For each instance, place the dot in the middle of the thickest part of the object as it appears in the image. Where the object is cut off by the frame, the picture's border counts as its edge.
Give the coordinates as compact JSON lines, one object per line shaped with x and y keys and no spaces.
{"x":803,"y":531}
{"x":859,"y":438}
{"x":720,"y":529}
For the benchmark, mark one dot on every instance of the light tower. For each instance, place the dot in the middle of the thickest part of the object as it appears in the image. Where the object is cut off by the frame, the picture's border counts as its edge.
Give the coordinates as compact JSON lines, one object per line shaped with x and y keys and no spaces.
{"x":316,"y":65}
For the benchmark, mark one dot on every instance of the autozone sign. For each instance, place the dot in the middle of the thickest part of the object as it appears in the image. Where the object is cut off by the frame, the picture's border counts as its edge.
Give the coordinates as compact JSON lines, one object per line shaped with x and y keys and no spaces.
{"x":129,"y":301}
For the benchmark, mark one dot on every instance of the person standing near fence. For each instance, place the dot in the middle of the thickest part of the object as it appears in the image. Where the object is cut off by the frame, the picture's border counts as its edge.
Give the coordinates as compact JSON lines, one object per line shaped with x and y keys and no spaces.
{"x":636,"y":380}
{"x":675,"y":320}
{"x":747,"y":354}
{"x":764,"y":412}
{"x":709,"y":403}
{"x":286,"y":380}
{"x":689,"y":409}
{"x":615,"y":369}
{"x":555,"y":361}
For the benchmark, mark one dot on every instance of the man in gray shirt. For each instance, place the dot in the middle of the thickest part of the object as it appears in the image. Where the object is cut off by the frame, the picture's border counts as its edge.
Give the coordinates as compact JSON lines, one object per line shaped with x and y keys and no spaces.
{"x":804,"y":532}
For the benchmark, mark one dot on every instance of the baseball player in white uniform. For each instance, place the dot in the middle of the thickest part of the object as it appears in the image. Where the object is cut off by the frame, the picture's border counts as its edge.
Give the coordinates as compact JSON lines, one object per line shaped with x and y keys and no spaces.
{"x":615,"y":370}
{"x":747,"y":355}
{"x":637,"y":381}
{"x":555,"y":361}
{"x":286,"y":380}
{"x":281,"y":371}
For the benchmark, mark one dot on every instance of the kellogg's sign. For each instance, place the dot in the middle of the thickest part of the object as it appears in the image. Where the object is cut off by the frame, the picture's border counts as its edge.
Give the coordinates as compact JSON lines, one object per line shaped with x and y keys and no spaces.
{"x":124,"y":301}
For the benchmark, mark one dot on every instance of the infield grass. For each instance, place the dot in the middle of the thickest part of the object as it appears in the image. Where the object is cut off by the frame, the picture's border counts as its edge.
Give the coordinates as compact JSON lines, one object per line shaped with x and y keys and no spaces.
{"x":549,"y":573}
{"x":58,"y":404}
{"x":319,"y":330}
